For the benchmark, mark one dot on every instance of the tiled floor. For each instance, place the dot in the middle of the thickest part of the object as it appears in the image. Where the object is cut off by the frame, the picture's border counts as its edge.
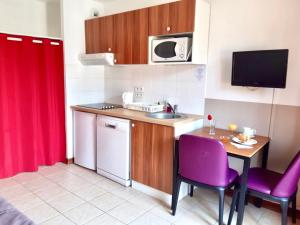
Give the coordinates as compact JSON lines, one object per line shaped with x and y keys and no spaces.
{"x":68,"y":195}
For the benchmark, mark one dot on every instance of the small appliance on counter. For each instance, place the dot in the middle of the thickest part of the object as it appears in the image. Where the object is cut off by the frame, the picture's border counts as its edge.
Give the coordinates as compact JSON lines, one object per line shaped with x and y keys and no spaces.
{"x":127,"y":98}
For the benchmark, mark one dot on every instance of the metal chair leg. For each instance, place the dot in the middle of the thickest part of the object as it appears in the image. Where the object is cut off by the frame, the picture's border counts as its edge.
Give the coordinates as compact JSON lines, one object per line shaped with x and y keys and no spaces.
{"x":284,"y":212}
{"x":233,"y":204}
{"x":175,"y":194}
{"x":221,"y":205}
{"x":191,"y":190}
{"x":294,"y":209}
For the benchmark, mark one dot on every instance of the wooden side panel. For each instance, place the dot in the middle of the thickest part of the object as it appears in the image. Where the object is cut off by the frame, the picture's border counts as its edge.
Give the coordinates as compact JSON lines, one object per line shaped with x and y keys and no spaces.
{"x":158,"y":20}
{"x":152,"y":155}
{"x":182,"y":16}
{"x":123,"y":36}
{"x":140,"y":36}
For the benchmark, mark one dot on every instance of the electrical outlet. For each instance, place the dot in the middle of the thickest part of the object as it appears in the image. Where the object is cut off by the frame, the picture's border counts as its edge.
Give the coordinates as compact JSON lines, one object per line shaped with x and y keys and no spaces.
{"x":138,"y":89}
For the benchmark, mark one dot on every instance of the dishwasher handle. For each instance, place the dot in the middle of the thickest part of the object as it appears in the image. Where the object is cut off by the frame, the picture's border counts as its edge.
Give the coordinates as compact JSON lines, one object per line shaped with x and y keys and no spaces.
{"x":112,"y":126}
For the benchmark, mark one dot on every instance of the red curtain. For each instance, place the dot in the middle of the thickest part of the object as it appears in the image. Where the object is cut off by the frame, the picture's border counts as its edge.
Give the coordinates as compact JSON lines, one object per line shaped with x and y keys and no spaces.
{"x":32,"y":113}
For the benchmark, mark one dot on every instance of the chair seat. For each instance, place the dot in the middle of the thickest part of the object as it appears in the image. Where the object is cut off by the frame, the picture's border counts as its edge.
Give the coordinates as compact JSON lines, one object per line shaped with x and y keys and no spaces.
{"x":233,"y":174}
{"x":263,"y":180}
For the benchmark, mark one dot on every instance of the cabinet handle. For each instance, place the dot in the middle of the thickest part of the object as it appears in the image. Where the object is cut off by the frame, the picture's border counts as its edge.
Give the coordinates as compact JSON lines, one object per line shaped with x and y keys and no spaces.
{"x":115,"y":60}
{"x":132,"y":125}
{"x":109,"y":49}
{"x":168,"y":28}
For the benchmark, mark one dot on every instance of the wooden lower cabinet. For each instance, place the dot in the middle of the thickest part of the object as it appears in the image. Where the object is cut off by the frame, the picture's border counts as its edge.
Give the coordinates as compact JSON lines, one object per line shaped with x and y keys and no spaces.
{"x":152,"y":148}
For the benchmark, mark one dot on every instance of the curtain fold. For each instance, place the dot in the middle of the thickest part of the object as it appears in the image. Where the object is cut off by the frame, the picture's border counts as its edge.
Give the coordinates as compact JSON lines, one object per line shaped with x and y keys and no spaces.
{"x":32,"y":113}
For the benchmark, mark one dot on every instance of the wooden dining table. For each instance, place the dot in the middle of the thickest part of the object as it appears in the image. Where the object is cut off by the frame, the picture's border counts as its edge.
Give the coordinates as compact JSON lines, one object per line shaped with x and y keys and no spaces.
{"x":245,"y":154}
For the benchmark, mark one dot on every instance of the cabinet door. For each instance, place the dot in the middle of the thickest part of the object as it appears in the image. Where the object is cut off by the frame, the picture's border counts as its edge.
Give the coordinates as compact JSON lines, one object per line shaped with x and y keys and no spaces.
{"x":182,"y":16}
{"x":92,"y":36}
{"x":152,"y":155}
{"x":140,"y":37}
{"x":99,"y":35}
{"x":159,"y":20}
{"x":106,"y":34}
{"x":123,"y":36}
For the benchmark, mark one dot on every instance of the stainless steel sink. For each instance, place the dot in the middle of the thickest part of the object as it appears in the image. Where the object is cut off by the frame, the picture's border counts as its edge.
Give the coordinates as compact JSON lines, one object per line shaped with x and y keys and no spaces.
{"x":164,"y":115}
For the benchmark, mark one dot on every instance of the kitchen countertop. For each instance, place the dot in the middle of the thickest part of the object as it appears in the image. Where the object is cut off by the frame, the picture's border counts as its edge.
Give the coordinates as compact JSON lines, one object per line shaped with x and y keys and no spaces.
{"x":140,"y":116}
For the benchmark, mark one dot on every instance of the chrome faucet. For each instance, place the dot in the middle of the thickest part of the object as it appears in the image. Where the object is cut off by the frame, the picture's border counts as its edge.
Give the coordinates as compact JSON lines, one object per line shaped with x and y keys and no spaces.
{"x":173,"y":108}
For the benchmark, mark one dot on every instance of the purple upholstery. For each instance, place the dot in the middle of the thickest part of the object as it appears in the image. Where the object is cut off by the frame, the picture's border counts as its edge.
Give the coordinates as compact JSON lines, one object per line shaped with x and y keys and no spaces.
{"x":263,"y":180}
{"x":276,"y":184}
{"x":204,"y":160}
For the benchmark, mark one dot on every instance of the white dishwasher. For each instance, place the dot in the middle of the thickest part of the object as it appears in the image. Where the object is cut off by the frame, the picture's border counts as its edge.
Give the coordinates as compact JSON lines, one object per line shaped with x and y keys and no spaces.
{"x":113,"y":149}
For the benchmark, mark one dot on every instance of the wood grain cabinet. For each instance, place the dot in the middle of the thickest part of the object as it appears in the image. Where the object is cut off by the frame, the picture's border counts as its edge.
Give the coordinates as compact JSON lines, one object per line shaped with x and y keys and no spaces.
{"x":176,"y":17}
{"x":124,"y":34}
{"x":99,"y":35}
{"x":152,"y":148}
{"x":131,"y":37}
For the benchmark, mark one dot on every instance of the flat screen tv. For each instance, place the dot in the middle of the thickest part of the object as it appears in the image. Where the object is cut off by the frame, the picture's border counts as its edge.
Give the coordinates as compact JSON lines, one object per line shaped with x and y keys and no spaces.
{"x":265,"y":68}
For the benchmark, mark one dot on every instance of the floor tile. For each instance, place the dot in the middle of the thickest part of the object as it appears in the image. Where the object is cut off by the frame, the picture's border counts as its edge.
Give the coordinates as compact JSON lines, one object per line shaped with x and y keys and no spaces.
{"x":49,"y":193}
{"x":60,"y":176}
{"x":150,"y":219}
{"x":146,"y":202}
{"x":26,"y":177}
{"x":38,"y":183}
{"x":105,"y":219}
{"x":58,"y":220}
{"x":26,"y":202}
{"x":107,"y":202}
{"x":14,"y":192}
{"x":65,"y":202}
{"x":273,"y":218}
{"x":83,"y":213}
{"x":73,"y":184}
{"x":110,"y":185}
{"x":41,"y":213}
{"x":6,"y":184}
{"x":126,"y":212}
{"x":127,"y":193}
{"x":164,"y":212}
{"x":89,"y":193}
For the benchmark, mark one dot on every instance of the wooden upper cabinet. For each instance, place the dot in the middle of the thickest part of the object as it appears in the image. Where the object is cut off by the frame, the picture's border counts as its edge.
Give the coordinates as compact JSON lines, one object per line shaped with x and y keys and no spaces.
{"x":123,"y":35}
{"x":176,"y":17}
{"x":140,"y":36}
{"x":99,"y":35}
{"x":92,"y":36}
{"x":152,"y":148}
{"x":131,"y":37}
{"x":106,"y":32}
{"x":159,"y":20}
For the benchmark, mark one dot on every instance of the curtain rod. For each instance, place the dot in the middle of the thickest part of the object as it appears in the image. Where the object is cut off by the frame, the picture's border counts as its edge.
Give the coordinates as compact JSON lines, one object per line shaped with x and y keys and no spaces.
{"x":26,"y":35}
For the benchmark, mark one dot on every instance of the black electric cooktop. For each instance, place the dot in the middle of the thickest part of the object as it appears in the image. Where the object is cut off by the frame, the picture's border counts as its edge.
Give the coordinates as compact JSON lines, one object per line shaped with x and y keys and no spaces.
{"x":101,"y":106}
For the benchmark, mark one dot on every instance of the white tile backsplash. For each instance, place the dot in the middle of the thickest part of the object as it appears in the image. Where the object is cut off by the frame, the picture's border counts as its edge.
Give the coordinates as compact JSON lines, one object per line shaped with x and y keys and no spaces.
{"x":179,"y":84}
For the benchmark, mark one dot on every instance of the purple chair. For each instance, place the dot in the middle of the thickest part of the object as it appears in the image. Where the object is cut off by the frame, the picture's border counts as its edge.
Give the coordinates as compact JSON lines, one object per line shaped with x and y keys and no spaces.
{"x":270,"y":185}
{"x":203,"y":162}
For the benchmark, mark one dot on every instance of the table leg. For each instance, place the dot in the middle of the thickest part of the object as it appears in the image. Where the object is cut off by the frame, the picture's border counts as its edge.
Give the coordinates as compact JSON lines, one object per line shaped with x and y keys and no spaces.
{"x":258,"y":201}
{"x":243,"y":191}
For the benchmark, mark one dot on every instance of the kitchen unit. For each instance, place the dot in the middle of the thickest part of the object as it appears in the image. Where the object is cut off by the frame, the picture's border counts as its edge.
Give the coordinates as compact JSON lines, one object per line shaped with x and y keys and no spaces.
{"x":113,"y":148}
{"x":129,"y":34}
{"x":151,"y":148}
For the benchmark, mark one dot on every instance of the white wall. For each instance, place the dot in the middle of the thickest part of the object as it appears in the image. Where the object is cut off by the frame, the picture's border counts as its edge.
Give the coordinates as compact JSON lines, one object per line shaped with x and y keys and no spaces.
{"x":28,"y":18}
{"x":250,"y":25}
{"x":84,"y":84}
{"x":182,"y":84}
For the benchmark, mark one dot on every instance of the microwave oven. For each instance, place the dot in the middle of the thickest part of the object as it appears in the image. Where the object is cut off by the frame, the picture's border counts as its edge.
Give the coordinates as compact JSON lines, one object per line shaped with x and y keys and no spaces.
{"x":171,"y":49}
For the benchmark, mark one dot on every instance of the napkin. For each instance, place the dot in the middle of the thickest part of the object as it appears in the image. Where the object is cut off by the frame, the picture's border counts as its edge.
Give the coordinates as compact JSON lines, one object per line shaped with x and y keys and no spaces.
{"x":241,"y":146}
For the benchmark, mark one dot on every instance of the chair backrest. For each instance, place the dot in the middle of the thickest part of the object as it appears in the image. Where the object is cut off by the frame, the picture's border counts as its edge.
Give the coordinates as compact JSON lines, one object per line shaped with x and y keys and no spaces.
{"x":289,"y":182}
{"x":203,"y":160}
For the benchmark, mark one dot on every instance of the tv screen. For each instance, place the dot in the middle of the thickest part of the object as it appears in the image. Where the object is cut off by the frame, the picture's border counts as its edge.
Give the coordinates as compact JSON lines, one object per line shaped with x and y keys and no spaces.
{"x":266,"y":68}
